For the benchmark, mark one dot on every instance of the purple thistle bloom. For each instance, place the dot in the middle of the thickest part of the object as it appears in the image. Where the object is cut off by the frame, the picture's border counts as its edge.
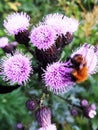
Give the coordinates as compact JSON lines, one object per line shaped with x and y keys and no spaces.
{"x":14,"y":43}
{"x":92,"y":113}
{"x":49,"y":127}
{"x":84,"y":103}
{"x":16,"y":68}
{"x":16,"y":22}
{"x":43,"y":36}
{"x":3,"y":42}
{"x":43,"y":116}
{"x":89,"y":111}
{"x":62,"y":24}
{"x":93,"y":106}
{"x":58,"y":78}
{"x":72,"y":25}
{"x":88,"y":52}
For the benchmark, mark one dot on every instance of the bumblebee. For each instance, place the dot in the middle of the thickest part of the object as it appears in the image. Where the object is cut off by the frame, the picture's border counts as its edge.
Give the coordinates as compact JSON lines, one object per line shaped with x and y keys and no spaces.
{"x":80,"y":70}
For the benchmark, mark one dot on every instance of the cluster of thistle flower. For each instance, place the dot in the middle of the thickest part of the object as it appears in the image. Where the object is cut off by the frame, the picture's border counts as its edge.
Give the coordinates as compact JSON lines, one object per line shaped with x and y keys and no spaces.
{"x":48,"y":37}
{"x":89,"y":110}
{"x":43,"y":114}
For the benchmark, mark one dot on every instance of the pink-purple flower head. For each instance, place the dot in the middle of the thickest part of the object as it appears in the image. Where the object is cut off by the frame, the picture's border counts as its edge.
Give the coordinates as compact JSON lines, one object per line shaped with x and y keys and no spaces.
{"x":43,"y":37}
{"x":16,"y":22}
{"x":14,"y":43}
{"x":89,"y":54}
{"x":58,"y":78}
{"x":43,"y":116}
{"x":72,"y":25}
{"x":16,"y":68}
{"x":61,"y":23}
{"x":49,"y":127}
{"x":3,"y":42}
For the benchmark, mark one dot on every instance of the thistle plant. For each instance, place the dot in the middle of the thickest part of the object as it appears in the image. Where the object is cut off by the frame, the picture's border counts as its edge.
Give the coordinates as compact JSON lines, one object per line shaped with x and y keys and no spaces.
{"x":45,"y":42}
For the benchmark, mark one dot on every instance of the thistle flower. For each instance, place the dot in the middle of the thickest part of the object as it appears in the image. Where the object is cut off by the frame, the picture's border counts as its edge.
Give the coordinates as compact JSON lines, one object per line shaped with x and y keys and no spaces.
{"x":89,"y":111}
{"x":49,"y":127}
{"x":72,"y":25}
{"x":3,"y":42}
{"x":62,"y":24}
{"x":16,"y":68}
{"x":88,"y":53}
{"x":43,"y":37}
{"x":92,"y":113}
{"x":43,"y":116}
{"x":8,"y":48}
{"x":16,"y":22}
{"x":58,"y":78}
{"x":14,"y":43}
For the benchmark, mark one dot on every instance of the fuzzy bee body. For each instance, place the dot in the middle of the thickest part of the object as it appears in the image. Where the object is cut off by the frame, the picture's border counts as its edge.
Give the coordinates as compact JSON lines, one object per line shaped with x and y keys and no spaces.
{"x":80,"y":70}
{"x":80,"y":75}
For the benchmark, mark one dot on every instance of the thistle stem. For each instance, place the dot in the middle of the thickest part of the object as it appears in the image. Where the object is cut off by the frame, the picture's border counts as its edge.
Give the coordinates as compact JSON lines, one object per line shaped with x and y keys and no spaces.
{"x":42,"y":99}
{"x":66,"y":100}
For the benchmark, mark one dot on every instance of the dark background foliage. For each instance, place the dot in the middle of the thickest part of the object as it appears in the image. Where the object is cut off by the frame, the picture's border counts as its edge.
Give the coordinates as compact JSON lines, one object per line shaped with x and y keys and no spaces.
{"x":12,"y":105}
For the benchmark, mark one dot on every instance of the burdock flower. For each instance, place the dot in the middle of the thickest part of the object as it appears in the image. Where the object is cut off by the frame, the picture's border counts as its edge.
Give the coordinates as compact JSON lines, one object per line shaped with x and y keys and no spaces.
{"x":61,"y":23}
{"x":3,"y":42}
{"x":57,"y":77}
{"x":16,"y":22}
{"x":43,"y":37}
{"x":43,"y":117}
{"x":16,"y":68}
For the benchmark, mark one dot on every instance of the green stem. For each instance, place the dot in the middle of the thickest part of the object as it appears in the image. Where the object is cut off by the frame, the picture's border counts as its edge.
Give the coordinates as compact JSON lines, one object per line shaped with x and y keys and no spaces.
{"x":66,"y":100}
{"x":42,"y":99}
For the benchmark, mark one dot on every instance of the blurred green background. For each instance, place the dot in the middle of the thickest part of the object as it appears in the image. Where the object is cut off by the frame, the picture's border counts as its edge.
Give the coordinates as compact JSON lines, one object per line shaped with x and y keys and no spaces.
{"x":12,"y":105}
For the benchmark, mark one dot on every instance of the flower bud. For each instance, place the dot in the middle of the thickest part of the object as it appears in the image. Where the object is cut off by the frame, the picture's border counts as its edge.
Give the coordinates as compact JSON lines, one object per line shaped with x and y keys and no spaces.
{"x":9,"y":48}
{"x":89,"y":111}
{"x":64,"y":40}
{"x":93,"y":106}
{"x":84,"y":103}
{"x":31,"y":104}
{"x":19,"y":126}
{"x":74,"y":112}
{"x":43,"y":116}
{"x":68,"y":38}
